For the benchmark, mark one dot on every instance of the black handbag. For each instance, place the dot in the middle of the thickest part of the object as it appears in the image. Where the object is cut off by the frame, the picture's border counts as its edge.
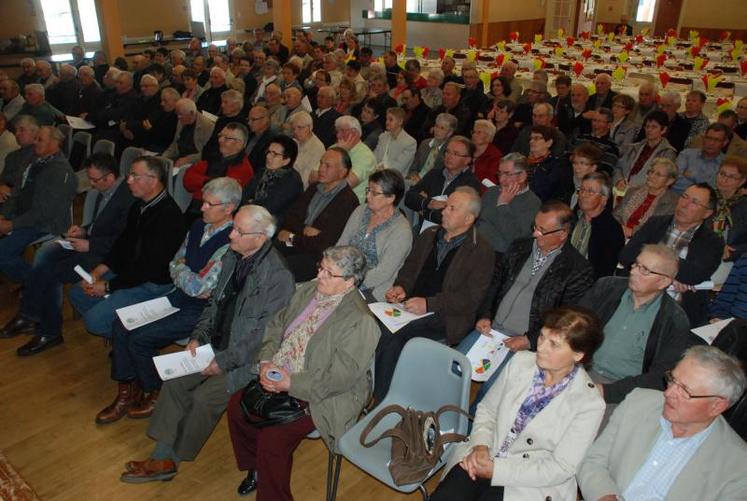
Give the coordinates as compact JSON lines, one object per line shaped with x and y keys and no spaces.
{"x":263,"y":408}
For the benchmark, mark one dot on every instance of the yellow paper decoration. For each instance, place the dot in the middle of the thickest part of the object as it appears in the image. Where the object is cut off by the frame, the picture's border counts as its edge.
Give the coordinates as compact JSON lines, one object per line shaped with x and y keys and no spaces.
{"x":501,"y":46}
{"x":449,"y":53}
{"x":738,"y":45}
{"x":538,"y":64}
{"x":401,"y":63}
{"x":698,"y":63}
{"x":471,"y":55}
{"x":660,"y":49}
{"x":600,"y":29}
{"x":693,"y":35}
{"x":597,"y":43}
{"x":485,"y":78}
{"x":418,"y":52}
{"x":591,"y":88}
{"x":696,"y":42}
{"x":559,"y":51}
{"x":537,"y":38}
{"x":349,"y":57}
{"x":623,"y":56}
{"x":735,"y":53}
{"x":561,"y":32}
{"x":380,"y":60}
{"x":618,"y":73}
{"x":726,"y":105}
{"x":645,"y":31}
{"x":610,"y":36}
{"x":671,"y":41}
{"x":712,"y":81}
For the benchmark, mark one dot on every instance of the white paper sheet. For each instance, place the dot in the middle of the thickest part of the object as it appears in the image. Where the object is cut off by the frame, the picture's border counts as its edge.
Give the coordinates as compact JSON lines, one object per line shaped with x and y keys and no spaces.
{"x":83,"y":274}
{"x":79,"y":123}
{"x":709,"y":332}
{"x":65,"y":244}
{"x":393,"y":316}
{"x":139,"y":314}
{"x":487,"y":354}
{"x":182,"y":363}
{"x":209,"y":116}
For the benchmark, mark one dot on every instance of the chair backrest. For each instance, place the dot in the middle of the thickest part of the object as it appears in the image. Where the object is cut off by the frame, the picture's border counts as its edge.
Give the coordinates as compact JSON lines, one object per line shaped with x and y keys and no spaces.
{"x":128,"y":155}
{"x":104,"y":146}
{"x":80,"y":150}
{"x":178,"y":192}
{"x":67,"y":131}
{"x":733,"y":340}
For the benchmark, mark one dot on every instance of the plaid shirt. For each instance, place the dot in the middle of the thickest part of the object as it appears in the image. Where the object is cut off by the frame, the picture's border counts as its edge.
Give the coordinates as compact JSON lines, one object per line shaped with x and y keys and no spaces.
{"x":678,"y":240}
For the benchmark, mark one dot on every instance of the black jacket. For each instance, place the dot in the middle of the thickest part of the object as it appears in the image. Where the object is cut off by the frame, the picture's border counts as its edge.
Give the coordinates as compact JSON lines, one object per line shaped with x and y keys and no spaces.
{"x":210,"y":99}
{"x":668,"y":339}
{"x":324,"y":126}
{"x":432,"y":184}
{"x":111,"y":221}
{"x":565,"y":282}
{"x":605,"y":242}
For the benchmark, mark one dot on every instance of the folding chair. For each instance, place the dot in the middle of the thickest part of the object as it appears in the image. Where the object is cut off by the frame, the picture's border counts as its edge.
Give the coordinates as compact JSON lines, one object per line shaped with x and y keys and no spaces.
{"x":104,"y":146}
{"x":67,"y":131}
{"x":128,"y":155}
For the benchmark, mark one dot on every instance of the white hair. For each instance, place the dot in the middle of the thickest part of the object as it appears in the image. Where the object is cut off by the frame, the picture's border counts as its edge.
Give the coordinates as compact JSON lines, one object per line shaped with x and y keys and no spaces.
{"x":349,"y":122}
{"x":302,"y":118}
{"x":260,"y":219}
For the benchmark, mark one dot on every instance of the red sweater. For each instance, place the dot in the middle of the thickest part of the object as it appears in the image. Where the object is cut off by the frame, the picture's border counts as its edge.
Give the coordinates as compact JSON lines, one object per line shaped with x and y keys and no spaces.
{"x":486,"y":165}
{"x":197,"y":175}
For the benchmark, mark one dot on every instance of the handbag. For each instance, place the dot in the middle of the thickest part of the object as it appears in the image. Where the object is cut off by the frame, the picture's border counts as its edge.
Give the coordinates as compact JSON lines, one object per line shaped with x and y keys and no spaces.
{"x":417,"y":441}
{"x":263,"y":408}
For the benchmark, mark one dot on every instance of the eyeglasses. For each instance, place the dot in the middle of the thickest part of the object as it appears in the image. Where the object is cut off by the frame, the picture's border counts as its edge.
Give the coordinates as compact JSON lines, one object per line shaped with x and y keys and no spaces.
{"x":508,"y":174}
{"x":587,"y":191}
{"x":326,"y":273}
{"x":374,"y":193}
{"x":670,"y":380}
{"x":694,"y":201}
{"x":275,"y":154}
{"x":246,"y":233}
{"x":643,"y":270}
{"x":229,"y":138}
{"x":544,"y":233}
{"x":455,"y":154}
{"x":733,"y":177}
{"x":138,"y":177}
{"x":213,"y":204}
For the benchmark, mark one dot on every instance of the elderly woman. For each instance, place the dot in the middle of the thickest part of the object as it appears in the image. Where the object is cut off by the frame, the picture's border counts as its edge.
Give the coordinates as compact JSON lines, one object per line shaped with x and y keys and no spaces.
{"x":487,"y":156}
{"x":624,"y":129}
{"x":430,"y":153}
{"x":321,"y":346}
{"x":433,"y":94}
{"x":533,"y":428}
{"x":371,"y":122}
{"x":506,"y":131}
{"x":395,"y":148}
{"x":310,"y":148}
{"x":268,"y":75}
{"x":279,"y":185}
{"x":730,"y":217}
{"x":192,"y":89}
{"x":651,"y":199}
{"x":547,"y":171}
{"x":347,"y":96}
{"x":380,"y":231}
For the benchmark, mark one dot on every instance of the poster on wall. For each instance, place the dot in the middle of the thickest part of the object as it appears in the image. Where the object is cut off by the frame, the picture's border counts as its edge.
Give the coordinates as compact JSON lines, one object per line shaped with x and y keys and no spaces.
{"x":261,"y":8}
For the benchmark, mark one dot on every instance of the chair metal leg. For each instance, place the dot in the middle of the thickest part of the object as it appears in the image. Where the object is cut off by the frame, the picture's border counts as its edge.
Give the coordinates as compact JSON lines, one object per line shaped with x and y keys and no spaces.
{"x":334,"y":464}
{"x":424,"y":492}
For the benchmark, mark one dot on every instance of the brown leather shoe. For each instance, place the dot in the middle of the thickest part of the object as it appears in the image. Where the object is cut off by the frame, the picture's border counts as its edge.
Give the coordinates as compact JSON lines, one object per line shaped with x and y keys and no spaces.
{"x":144,"y":408}
{"x":127,"y":394}
{"x":150,"y":471}
{"x":131,"y":466}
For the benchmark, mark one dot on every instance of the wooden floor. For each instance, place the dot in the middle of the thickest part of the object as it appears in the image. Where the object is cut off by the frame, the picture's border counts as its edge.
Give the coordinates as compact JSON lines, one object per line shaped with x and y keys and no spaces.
{"x":47,"y":408}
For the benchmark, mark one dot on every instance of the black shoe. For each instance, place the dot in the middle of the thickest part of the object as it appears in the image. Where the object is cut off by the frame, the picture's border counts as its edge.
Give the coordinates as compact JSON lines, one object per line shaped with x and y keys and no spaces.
{"x":249,"y":484}
{"x":17,"y":325}
{"x":38,"y":344}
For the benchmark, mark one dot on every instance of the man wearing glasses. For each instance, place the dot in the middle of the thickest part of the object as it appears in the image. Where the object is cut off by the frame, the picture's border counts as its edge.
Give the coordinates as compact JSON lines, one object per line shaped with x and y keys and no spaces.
{"x":645,"y":330}
{"x":676,"y":444}
{"x":695,"y":243}
{"x":700,"y":165}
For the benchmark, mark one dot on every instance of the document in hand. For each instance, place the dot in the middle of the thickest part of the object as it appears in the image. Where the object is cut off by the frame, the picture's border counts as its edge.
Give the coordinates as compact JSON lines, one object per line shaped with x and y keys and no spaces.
{"x":139,"y":314}
{"x":393,"y":316}
{"x":182,"y":363}
{"x":709,"y":332}
{"x":487,"y":354}
{"x":79,"y":123}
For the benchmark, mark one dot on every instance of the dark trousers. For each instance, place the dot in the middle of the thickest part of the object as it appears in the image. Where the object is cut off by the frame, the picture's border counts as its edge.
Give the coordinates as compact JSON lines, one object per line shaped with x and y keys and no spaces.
{"x":457,"y":486}
{"x":133,"y":351}
{"x":390,"y":346}
{"x":268,"y":451}
{"x":300,"y":262}
{"x":12,"y":245}
{"x":187,"y":411}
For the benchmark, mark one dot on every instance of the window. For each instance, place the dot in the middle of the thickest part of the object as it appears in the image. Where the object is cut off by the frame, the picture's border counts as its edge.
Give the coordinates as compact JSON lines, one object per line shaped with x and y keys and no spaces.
{"x":311,"y":11}
{"x":380,"y":5}
{"x":646,"y":9}
{"x":64,"y":23}
{"x":214,"y":14}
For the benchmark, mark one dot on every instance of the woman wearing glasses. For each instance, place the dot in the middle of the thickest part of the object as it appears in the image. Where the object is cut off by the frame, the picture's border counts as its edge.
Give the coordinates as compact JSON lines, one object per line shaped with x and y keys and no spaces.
{"x":279,"y":185}
{"x":319,"y":350}
{"x":730,"y":216}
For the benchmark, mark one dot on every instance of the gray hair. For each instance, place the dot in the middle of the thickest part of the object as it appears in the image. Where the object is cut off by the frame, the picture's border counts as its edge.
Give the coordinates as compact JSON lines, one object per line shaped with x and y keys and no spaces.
{"x":260,"y":219}
{"x":87,"y":70}
{"x":35,"y":87}
{"x":55,"y":134}
{"x":349,"y":122}
{"x":273,"y":64}
{"x":672,"y":170}
{"x":233,"y":96}
{"x":447,"y":120}
{"x":227,"y":189}
{"x":127,"y":75}
{"x":302,"y":118}
{"x":217,"y":70}
{"x":69,"y":70}
{"x":438,"y":74}
{"x":328,"y":90}
{"x":349,"y":259}
{"x":519,"y":160}
{"x":186,"y":106}
{"x":545,"y":106}
{"x":474,"y":204}
{"x":674,"y":96}
{"x":728,"y":379}
{"x":487,"y":125}
{"x":170,"y":91}
{"x":240,"y":128}
{"x":27,"y":60}
{"x":668,"y":260}
{"x":179,"y":53}
{"x":26,"y":121}
{"x":601,"y":177}
{"x":150,"y":78}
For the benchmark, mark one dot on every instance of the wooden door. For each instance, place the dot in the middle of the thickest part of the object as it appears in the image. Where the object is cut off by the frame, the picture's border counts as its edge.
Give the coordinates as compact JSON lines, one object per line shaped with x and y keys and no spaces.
{"x":667,"y":16}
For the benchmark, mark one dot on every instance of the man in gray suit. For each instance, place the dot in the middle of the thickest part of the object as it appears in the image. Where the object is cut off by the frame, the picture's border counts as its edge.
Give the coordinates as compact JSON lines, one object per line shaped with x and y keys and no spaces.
{"x":673,"y":445}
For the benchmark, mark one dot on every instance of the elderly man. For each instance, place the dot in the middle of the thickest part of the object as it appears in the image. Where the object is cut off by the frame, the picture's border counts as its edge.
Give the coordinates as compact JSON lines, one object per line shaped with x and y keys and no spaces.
{"x":310,"y":148}
{"x":427,"y":197}
{"x":604,"y":94}
{"x":694,"y":115}
{"x":735,"y":146}
{"x":473,"y":95}
{"x":194,"y":270}
{"x":316,"y":220}
{"x":645,"y":330}
{"x":16,"y":161}
{"x":348,"y":131}
{"x":108,"y":116}
{"x":210,"y":99}
{"x":232,"y":162}
{"x":430,"y":154}
{"x":146,"y":107}
{"x":678,"y":129}
{"x":508,"y":209}
{"x":446,"y":274}
{"x":273,"y":101}
{"x":46,"y":77}
{"x":601,"y":125}
{"x":487,"y":156}
{"x":452,"y":105}
{"x":542,"y":114}
{"x":104,"y":216}
{"x":447,"y":66}
{"x":159,"y":128}
{"x":37,"y":107}
{"x":646,"y":102}
{"x":597,"y":235}
{"x":260,"y":134}
{"x":28,"y":75}
{"x":698,"y":247}
{"x":536,"y":93}
{"x":199,"y":67}
{"x":63,"y":95}
{"x":293,"y":97}
{"x":189,"y":407}
{"x":231,"y":106}
{"x":136,"y":268}
{"x":193,"y":131}
{"x":700,"y":165}
{"x":508,"y":70}
{"x":12,"y":99}
{"x":39,"y":203}
{"x":674,"y":445}
{"x":325,"y":115}
{"x":276,"y":49}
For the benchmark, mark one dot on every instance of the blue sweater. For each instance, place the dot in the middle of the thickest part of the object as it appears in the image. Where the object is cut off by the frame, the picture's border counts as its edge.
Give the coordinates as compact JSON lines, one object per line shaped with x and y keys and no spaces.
{"x":732,"y":300}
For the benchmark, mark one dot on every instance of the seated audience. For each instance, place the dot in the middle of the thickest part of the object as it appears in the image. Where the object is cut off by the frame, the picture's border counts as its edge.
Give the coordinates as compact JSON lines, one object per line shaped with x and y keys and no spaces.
{"x":676,"y":444}
{"x":347,"y":96}
{"x":700,"y":165}
{"x":432,"y":95}
{"x":604,"y":94}
{"x":89,"y":93}
{"x":279,"y":185}
{"x":678,"y":128}
{"x":39,"y":203}
{"x":293,"y":97}
{"x":506,"y":132}
{"x":193,"y":131}
{"x":316,"y":219}
{"x":210,"y":99}
{"x":115,"y":104}
{"x":636,"y":159}
{"x":17,"y":161}
{"x":136,"y":268}
{"x":231,"y":110}
{"x":584,"y":160}
{"x":329,"y":375}
{"x":542,"y":115}
{"x":372,"y":116}
{"x":190,"y":407}
{"x":731,"y":300}
{"x":508,"y":209}
{"x":645,"y":330}
{"x":452,"y":104}
{"x":624,"y":129}
{"x":192,"y":89}
{"x":310,"y":148}
{"x":601,"y":125}
{"x":348,"y":132}
{"x":647,"y":102}
{"x":273,"y":101}
{"x":597,"y":235}
{"x":380,"y":232}
{"x":473,"y":95}
{"x":694,"y":115}
{"x":698,"y":247}
{"x":730,"y":217}
{"x":147,"y":107}
{"x":416,"y":113}
{"x":395,"y":148}
{"x":446,"y":273}
{"x":194,"y":270}
{"x":535,"y":94}
{"x":8,"y":143}
{"x":548,"y":173}
{"x":735,"y":146}
{"x":36,"y":106}
{"x":431,"y":152}
{"x":63,"y":95}
{"x":575,"y":119}
{"x":520,"y":446}
{"x":508,"y":70}
{"x":260,"y":134}
{"x":325,"y":115}
{"x":654,"y":198}
{"x":741,"y":127}
{"x":29,"y":74}
{"x":487,"y":156}
{"x":13,"y":101}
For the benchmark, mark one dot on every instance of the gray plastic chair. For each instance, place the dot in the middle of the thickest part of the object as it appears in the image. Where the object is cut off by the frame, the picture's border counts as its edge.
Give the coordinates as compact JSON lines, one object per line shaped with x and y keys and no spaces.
{"x":67,"y":131}
{"x":178,"y":192}
{"x":103,"y":146}
{"x":128,"y":155}
{"x":428,"y":376}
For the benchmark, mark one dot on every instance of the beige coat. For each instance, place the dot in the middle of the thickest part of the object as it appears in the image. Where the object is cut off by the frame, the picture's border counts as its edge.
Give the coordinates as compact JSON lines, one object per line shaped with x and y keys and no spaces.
{"x":203,"y":131}
{"x":335,"y":380}
{"x":543,"y":460}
